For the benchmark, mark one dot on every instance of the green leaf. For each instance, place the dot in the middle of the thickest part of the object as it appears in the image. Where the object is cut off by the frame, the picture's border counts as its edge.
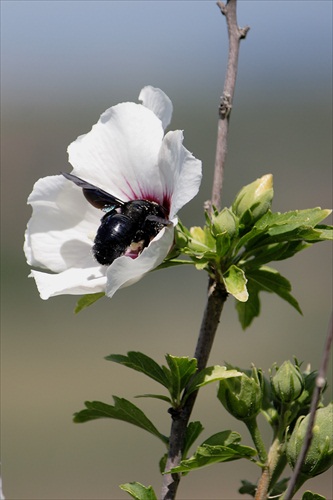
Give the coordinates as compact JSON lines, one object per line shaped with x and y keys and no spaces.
{"x":291,"y":226}
{"x":87,"y":300}
{"x":281,"y":223}
{"x":142,"y":363}
{"x":172,"y":263}
{"x":138,"y":491}
{"x":155,"y":396}
{"x":201,"y":265}
{"x":209,"y":454}
{"x":280,"y":487}
{"x":250,"y":309}
{"x":209,"y":375}
{"x":220,"y":447}
{"x":235,"y":283}
{"x":294,"y":225}
{"x":252,"y":238}
{"x":122,"y":410}
{"x":275,"y":251}
{"x":193,"y":431}
{"x":308,"y":495}
{"x":270,"y":280}
{"x":181,"y":370}
{"x":162,"y":463}
{"x":319,"y":233}
{"x":263,"y":279}
{"x":223,"y":243}
{"x":248,"y":488}
{"x":224,"y":438}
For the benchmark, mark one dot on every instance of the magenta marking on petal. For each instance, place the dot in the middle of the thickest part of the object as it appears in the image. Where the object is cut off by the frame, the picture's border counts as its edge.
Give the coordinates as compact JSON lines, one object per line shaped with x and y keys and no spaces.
{"x":164,"y":201}
{"x":128,"y":195}
{"x":125,"y":196}
{"x":133,"y":195}
{"x":142,"y":195}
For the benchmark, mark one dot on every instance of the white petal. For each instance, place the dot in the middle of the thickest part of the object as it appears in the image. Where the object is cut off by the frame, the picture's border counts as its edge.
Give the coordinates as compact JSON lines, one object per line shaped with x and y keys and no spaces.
{"x":158,"y":102}
{"x":72,"y":282}
{"x":125,"y":271}
{"x":181,"y":171}
{"x":62,"y":228}
{"x":120,"y":153}
{"x":126,"y":155}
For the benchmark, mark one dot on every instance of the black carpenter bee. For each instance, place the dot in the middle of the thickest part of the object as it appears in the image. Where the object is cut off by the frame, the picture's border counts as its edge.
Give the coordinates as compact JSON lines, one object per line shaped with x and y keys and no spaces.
{"x":127,"y":227}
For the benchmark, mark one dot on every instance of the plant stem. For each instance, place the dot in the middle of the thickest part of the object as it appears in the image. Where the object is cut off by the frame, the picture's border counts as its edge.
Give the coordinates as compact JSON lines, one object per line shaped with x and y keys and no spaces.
{"x":235,"y":34}
{"x":274,"y":455}
{"x":279,"y":468}
{"x":215,"y":301}
{"x":276,"y":460}
{"x":257,"y":439}
{"x":217,"y":294}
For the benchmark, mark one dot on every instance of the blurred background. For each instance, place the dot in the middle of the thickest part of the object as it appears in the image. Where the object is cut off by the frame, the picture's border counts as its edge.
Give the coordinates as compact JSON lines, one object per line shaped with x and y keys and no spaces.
{"x":63,"y":64}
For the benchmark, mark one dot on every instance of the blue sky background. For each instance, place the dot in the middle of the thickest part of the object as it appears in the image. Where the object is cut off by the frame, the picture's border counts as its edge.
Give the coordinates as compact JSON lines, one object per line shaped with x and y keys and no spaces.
{"x":64,"y":48}
{"x":62,"y":64}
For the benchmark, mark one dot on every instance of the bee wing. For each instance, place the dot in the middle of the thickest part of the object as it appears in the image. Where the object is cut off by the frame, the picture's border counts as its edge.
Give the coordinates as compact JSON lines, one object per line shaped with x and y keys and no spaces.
{"x":96,"y":196}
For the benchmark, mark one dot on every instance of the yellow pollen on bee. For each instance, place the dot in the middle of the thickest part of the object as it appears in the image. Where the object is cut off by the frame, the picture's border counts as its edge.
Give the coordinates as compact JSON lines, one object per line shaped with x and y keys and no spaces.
{"x":91,"y":236}
{"x":136,"y":246}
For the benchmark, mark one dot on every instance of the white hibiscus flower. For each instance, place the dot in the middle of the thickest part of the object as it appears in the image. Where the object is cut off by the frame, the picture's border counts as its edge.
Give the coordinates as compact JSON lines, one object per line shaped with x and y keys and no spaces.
{"x":127,"y":155}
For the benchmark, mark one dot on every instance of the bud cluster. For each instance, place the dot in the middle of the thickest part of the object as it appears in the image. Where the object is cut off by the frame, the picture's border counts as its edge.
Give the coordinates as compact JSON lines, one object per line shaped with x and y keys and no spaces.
{"x":284,"y":400}
{"x":237,"y":243}
{"x":214,"y":247}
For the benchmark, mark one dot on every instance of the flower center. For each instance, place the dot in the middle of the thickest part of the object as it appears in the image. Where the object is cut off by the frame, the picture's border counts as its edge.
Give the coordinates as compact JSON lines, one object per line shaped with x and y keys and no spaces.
{"x":134,"y":249}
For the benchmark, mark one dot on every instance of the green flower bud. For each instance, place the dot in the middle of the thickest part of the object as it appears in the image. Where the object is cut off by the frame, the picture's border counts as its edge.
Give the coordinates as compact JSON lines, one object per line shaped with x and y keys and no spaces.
{"x":309,"y":386}
{"x":320,"y":454}
{"x":201,"y":240}
{"x":287,"y":383}
{"x":225,"y":222}
{"x":181,"y":237}
{"x":253,"y":200}
{"x":241,"y":396}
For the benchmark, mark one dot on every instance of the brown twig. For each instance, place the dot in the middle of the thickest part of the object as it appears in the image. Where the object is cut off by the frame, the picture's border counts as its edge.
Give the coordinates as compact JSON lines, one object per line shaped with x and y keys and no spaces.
{"x":235,"y":34}
{"x":320,"y":384}
{"x":215,"y":301}
{"x":217,"y":294}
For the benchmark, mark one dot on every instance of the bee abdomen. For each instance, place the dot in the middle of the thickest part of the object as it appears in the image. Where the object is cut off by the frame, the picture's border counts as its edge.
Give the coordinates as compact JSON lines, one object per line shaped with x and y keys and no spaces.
{"x":112,"y":239}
